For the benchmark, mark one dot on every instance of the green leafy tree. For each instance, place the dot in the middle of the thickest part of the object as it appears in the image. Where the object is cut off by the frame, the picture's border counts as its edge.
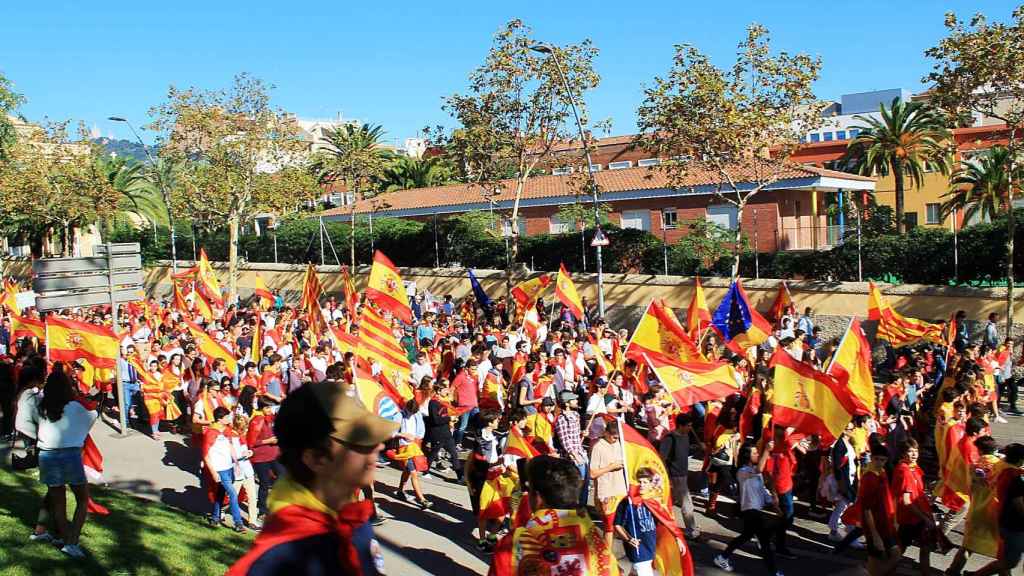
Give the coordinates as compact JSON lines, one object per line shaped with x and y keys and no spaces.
{"x":908,"y":137}
{"x":741,"y":124}
{"x":9,"y":103}
{"x":979,"y":70}
{"x":407,"y":173}
{"x":582,"y":211}
{"x":353,"y":158}
{"x":516,"y":110}
{"x":136,"y":193}
{"x":241,"y":156}
{"x":980,"y":186}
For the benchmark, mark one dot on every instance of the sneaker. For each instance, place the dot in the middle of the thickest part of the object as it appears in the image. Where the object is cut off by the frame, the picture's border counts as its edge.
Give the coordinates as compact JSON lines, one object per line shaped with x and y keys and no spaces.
{"x":857,"y":545}
{"x":835,"y":536}
{"x":425,"y":504}
{"x":43,"y":538}
{"x":402,"y":496}
{"x":256,"y":525}
{"x":73,"y":550}
{"x":213,"y":522}
{"x":425,"y":475}
{"x":723,"y":563}
{"x":241,"y":529}
{"x":1001,"y":420}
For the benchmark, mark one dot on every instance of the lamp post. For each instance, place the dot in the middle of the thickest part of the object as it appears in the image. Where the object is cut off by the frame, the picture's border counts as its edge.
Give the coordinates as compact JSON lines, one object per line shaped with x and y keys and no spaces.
{"x":553,"y":53}
{"x":163,"y":190}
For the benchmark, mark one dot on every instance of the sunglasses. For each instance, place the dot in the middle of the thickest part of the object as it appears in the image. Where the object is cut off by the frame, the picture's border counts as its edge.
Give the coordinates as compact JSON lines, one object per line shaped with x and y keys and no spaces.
{"x":364,"y":450}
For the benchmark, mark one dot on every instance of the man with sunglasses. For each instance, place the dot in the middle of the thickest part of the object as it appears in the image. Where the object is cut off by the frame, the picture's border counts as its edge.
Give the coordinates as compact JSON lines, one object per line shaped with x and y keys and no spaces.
{"x":316,"y":525}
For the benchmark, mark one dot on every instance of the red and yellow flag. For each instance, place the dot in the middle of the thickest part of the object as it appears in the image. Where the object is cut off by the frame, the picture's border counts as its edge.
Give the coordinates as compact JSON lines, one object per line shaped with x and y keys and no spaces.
{"x":256,"y":347}
{"x":698,"y":316}
{"x":10,"y":296}
{"x":25,"y":327}
{"x":531,"y":322}
{"x":526,"y":293}
{"x":565,"y":290}
{"x":264,"y":294}
{"x":987,"y":500}
{"x":496,"y":494}
{"x":378,"y":344}
{"x":312,"y":291}
{"x":782,"y":305}
{"x":812,"y":402}
{"x":69,"y":340}
{"x":206,"y":281}
{"x":692,"y":382}
{"x":898,"y":329}
{"x":660,"y":336}
{"x":212,"y":349}
{"x":343,"y":341}
{"x":385,"y":288}
{"x":351,"y":296}
{"x":851,"y":367}
{"x":373,"y":396}
{"x":518,"y":446}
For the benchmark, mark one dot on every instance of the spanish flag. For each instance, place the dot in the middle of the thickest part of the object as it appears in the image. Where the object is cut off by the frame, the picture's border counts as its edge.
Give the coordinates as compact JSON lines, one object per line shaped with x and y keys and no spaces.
{"x":206,"y":281}
{"x":256,"y":347}
{"x":373,"y":396}
{"x":518,"y":446}
{"x":698,"y":316}
{"x":526,"y":293}
{"x":565,"y":290}
{"x":212,"y":349}
{"x":692,"y":382}
{"x":496,"y":493}
{"x":738,"y":322}
{"x":266,"y":298}
{"x":851,"y":367}
{"x":812,"y":402}
{"x":671,"y":553}
{"x":310,"y":302}
{"x":351,"y":296}
{"x":660,"y":336}
{"x":385,"y":288}
{"x":987,"y":494}
{"x":25,"y":327}
{"x":378,"y":344}
{"x":531,"y":322}
{"x":10,"y":296}
{"x":69,"y":340}
{"x":782,"y":305}
{"x":899,"y":330}
{"x":538,"y":426}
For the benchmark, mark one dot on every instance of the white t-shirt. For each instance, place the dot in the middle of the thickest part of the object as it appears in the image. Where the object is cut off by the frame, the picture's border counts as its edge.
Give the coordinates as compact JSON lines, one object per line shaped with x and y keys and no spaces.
{"x":27,"y":419}
{"x":68,"y":432}
{"x":220,"y":453}
{"x":244,"y":465}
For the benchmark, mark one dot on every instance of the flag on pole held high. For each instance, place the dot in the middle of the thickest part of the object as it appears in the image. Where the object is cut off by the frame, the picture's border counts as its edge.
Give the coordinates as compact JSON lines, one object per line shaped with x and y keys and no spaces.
{"x":851,"y":367}
{"x":266,"y":297}
{"x":783,"y":304}
{"x":660,"y":336}
{"x":698,"y":316}
{"x":212,"y":349}
{"x":377,"y":344}
{"x":898,"y":329}
{"x":69,"y":340}
{"x":566,"y":292}
{"x":526,"y":293}
{"x":351,"y":296}
{"x":481,"y":297}
{"x":385,"y":289}
{"x":738,"y":322}
{"x":812,"y":402}
{"x":309,"y":304}
{"x":692,"y":382}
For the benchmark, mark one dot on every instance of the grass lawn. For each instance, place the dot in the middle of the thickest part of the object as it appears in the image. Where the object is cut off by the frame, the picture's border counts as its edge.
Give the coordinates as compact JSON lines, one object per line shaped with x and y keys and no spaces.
{"x":139,"y":537}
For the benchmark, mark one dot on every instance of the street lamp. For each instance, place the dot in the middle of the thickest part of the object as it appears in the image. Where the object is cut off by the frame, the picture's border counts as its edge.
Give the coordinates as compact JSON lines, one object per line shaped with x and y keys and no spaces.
{"x":163,"y":190}
{"x":598,"y":235}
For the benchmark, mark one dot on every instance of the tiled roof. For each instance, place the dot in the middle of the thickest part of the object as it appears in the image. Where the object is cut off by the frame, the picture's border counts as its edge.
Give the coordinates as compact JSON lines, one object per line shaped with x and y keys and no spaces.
{"x":550,"y":186}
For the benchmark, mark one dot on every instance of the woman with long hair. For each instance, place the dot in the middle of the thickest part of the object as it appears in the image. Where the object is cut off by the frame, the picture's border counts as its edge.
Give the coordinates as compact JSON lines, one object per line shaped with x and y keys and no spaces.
{"x":64,"y":423}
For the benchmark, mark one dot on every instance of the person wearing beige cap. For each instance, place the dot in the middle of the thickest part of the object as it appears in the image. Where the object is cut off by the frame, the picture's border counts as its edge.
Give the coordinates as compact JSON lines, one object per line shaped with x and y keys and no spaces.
{"x":316,"y":524}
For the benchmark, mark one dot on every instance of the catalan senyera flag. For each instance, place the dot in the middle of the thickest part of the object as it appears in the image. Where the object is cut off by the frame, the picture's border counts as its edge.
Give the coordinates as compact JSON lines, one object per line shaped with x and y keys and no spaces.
{"x":565,"y":290}
{"x":69,"y":340}
{"x":812,"y":402}
{"x":24,"y":327}
{"x":897,"y":329}
{"x":518,"y":446}
{"x":212,"y":349}
{"x":698,"y":316}
{"x":351,"y":296}
{"x":692,"y":382}
{"x":671,"y":553}
{"x":378,"y":344}
{"x":312,"y":291}
{"x":343,"y":341}
{"x":660,"y":336}
{"x":851,"y":367}
{"x":206,"y":280}
{"x":526,"y":293}
{"x":385,"y":288}
{"x":264,"y":294}
{"x":782,"y":305}
{"x":738,"y":322}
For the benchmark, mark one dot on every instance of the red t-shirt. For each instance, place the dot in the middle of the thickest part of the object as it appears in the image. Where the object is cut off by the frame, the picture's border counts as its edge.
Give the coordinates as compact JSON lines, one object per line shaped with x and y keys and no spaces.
{"x":261,"y":427}
{"x":780,"y":466}
{"x":874,"y":496}
{"x":465,"y":386}
{"x":907,"y":479}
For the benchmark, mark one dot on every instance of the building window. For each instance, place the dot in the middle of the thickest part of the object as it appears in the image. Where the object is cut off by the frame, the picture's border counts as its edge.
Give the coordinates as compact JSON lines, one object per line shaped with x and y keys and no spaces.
{"x":722,"y":214}
{"x":562,"y":170}
{"x":815,"y":137}
{"x":648,"y":162}
{"x":556,"y":226}
{"x":828,"y":136}
{"x":933,"y":213}
{"x":620,"y":165}
{"x":506,"y":226}
{"x":595,"y":167}
{"x":853,"y":132}
{"x":636,"y":219}
{"x":841,"y":135}
{"x":910,"y":219}
{"x":669,"y":218}
{"x":350,"y":198}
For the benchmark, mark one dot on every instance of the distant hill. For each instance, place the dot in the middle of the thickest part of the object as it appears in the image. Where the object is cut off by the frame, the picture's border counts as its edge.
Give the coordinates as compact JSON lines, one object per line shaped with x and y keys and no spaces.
{"x":125,"y":148}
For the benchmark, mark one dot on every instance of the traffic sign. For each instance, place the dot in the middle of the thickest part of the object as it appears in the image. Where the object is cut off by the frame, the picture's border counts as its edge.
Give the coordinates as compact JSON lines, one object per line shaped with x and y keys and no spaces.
{"x":600,"y":239}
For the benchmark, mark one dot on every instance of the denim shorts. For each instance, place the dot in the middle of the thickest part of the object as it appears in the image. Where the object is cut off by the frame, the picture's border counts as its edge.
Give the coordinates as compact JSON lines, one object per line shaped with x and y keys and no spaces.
{"x":61,"y":467}
{"x":1013,"y":548}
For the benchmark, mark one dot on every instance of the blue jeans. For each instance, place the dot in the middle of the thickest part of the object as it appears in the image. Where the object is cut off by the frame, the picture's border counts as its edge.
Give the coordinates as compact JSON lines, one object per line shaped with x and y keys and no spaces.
{"x":585,"y":490}
{"x":464,"y":424}
{"x":227,"y":480}
{"x":786,"y":505}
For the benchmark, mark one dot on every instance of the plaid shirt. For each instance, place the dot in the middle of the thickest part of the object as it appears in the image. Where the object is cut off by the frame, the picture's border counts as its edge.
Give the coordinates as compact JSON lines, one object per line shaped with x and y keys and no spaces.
{"x":568,"y":429}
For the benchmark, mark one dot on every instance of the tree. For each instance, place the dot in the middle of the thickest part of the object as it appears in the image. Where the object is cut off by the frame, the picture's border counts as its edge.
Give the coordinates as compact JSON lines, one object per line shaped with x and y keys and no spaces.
{"x":741,"y":124}
{"x":50,"y":183}
{"x":352,"y":157}
{"x":240,"y":157}
{"x":135,"y":191}
{"x":515,"y":111}
{"x":979,"y":70}
{"x":407,"y":173}
{"x":980,"y":186}
{"x":582,"y":212}
{"x":9,"y":103}
{"x":908,"y":137}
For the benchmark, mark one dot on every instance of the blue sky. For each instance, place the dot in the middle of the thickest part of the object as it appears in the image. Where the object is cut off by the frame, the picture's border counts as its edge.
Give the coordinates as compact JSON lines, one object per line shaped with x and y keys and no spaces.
{"x":391,"y":62}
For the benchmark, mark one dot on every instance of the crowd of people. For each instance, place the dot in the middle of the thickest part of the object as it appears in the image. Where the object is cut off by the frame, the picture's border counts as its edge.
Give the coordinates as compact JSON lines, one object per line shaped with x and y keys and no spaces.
{"x":530,"y":417}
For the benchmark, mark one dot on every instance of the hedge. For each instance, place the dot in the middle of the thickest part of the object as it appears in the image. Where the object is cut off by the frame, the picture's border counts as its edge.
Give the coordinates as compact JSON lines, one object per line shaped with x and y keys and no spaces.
{"x":923,"y":256}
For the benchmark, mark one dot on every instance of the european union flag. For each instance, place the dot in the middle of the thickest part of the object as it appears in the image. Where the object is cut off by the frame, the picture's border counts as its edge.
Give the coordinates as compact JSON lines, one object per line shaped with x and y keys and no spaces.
{"x":739,"y":324}
{"x":478,"y":291}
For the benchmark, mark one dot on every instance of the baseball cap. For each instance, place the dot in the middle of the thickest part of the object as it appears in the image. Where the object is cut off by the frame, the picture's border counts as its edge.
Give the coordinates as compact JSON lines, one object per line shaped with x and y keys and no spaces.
{"x":547,"y":401}
{"x":566,"y":396}
{"x":352,"y":423}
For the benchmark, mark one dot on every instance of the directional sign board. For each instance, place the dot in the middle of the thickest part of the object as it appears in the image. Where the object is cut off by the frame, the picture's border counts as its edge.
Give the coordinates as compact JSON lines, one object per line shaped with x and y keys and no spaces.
{"x":113,"y":276}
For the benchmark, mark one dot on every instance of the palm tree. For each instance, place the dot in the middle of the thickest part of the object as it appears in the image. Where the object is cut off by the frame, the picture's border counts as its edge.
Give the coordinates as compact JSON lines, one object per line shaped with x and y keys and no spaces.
{"x":352,"y":156}
{"x":405,"y":173}
{"x":137,"y":193}
{"x":908,"y":137}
